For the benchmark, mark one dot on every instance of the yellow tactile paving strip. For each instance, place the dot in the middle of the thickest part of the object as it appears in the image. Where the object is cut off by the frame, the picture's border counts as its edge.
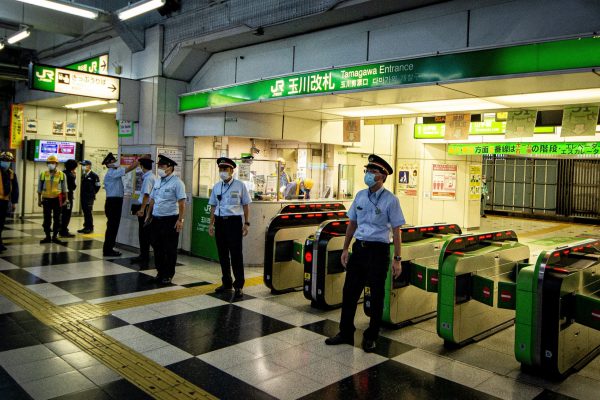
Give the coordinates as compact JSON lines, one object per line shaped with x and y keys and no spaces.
{"x":544,"y":231}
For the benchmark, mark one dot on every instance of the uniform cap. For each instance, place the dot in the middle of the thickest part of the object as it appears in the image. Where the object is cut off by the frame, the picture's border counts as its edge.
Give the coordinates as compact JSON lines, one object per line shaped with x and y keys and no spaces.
{"x":86,"y":162}
{"x":226,"y":162}
{"x":146,"y":162}
{"x":164,"y":160}
{"x":109,"y":159}
{"x":7,"y":156}
{"x":380,"y":164}
{"x":52,"y":158}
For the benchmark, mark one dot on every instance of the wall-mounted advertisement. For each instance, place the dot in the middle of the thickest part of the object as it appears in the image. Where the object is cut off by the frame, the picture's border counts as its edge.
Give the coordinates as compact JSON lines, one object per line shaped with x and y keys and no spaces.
{"x":174,"y":154}
{"x":31,"y":126}
{"x":62,"y":150}
{"x":408,"y":178}
{"x":16,"y":126}
{"x":443,"y":182}
{"x":71,"y":129}
{"x":58,"y":128}
{"x":474,"y":182}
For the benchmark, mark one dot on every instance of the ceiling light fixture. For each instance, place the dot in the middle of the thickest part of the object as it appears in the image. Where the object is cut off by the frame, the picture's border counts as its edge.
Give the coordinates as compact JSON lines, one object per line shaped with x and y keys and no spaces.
{"x":17,"y":37}
{"x":1,"y":44}
{"x":139,"y":8}
{"x":109,"y":110}
{"x":69,"y":8}
{"x":87,"y":104}
{"x":558,"y":98}
{"x":374,"y":111}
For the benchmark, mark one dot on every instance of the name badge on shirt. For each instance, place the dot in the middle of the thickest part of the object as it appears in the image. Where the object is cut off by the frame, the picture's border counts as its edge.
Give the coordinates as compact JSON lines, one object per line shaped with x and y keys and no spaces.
{"x":235,"y":195}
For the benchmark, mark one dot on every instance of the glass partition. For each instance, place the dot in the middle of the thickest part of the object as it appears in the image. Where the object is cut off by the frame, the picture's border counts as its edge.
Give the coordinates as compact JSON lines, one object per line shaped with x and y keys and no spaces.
{"x":345,"y":182}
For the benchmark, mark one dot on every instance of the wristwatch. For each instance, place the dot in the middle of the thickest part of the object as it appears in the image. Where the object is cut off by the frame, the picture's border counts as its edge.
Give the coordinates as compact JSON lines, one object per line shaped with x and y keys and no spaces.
{"x":247,"y":223}
{"x":397,"y":258}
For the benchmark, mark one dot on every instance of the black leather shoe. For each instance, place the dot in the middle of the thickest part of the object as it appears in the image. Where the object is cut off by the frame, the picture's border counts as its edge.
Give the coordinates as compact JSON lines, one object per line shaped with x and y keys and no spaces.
{"x":2,"y":247}
{"x":368,"y":345}
{"x":47,"y":239}
{"x":57,"y":240}
{"x":136,"y":260}
{"x":66,"y":235}
{"x":85,"y":231}
{"x":112,"y":253}
{"x":223,"y":289}
{"x":165,"y":281}
{"x":339,"y":339}
{"x":238,"y":294}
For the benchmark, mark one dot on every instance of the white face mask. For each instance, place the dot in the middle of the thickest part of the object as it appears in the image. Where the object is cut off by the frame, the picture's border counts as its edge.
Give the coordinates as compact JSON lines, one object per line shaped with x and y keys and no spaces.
{"x":162,"y":173}
{"x":224,"y":175}
{"x":51,"y":167}
{"x":139,"y":170}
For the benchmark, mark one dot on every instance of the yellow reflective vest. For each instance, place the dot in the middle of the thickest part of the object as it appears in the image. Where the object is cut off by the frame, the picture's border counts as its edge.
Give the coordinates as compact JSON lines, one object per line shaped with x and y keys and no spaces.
{"x":51,"y":185}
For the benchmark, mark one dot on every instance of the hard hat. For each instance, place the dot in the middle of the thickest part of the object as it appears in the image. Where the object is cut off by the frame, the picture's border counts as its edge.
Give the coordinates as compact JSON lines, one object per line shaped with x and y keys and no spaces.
{"x":52,"y":158}
{"x":7,"y":156}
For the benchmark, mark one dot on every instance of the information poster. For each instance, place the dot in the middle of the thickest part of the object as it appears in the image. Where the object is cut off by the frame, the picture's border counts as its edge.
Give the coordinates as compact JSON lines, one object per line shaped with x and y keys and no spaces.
{"x":351,"y":130}
{"x":96,"y":156}
{"x":520,"y":123}
{"x":579,"y":121}
{"x":443,"y":182}
{"x":31,"y":125}
{"x":132,"y":182}
{"x":174,"y":154}
{"x":457,"y":126}
{"x":126,"y":128}
{"x":58,"y":128}
{"x":474,"y":182}
{"x":16,"y":126}
{"x":62,"y":150}
{"x":71,"y":129}
{"x":408,"y":178}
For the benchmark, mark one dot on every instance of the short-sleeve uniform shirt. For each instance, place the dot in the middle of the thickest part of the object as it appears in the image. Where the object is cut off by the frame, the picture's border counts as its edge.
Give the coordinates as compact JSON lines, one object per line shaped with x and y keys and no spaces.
{"x":147,"y":185}
{"x":375,"y":213}
{"x":166,"y":193}
{"x":233,"y":196}
{"x":113,"y":183}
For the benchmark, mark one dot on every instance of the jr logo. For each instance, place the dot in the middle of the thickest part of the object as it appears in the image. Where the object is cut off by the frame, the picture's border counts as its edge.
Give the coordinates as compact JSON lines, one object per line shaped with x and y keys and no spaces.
{"x":47,"y":75}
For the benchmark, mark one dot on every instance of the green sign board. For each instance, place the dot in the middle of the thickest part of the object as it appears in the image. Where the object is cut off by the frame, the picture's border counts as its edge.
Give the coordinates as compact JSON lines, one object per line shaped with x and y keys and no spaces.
{"x":126,"y":128}
{"x":95,"y":65}
{"x":203,"y":245}
{"x":525,"y":148}
{"x":523,"y":59}
{"x":60,"y":80}
{"x":487,"y":127}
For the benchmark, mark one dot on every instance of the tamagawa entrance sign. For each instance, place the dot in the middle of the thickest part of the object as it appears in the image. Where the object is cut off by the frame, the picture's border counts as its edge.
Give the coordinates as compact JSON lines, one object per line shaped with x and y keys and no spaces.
{"x":60,"y":80}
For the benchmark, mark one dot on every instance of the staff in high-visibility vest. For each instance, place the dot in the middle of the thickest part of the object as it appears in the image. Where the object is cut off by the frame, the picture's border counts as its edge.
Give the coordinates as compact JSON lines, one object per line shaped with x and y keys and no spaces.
{"x":9,"y":190}
{"x":52,"y":189}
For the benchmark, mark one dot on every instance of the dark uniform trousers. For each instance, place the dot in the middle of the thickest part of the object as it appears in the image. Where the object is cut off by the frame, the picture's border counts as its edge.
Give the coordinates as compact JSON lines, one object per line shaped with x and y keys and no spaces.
{"x":3,"y":214}
{"x":228,"y":233}
{"x":66,"y":214}
{"x":51,"y":207}
{"x":112,"y":210}
{"x":87,"y":205}
{"x":144,"y":237}
{"x":368,"y":266}
{"x":165,"y":240}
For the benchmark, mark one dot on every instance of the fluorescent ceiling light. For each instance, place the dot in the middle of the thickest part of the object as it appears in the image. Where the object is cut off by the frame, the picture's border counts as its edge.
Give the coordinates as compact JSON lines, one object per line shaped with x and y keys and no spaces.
{"x":109,"y":110}
{"x":375,"y":111}
{"x":1,"y":44}
{"x":549,"y":98}
{"x":446,"y":106}
{"x":17,"y":37}
{"x":139,"y":8}
{"x":87,"y":104}
{"x":69,"y":8}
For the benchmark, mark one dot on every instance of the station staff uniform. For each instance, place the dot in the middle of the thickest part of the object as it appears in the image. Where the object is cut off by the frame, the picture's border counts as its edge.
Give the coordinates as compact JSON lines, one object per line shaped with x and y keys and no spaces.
{"x":228,"y":199}
{"x":148,"y":180}
{"x":9,"y":190}
{"x":52,"y":189}
{"x":90,"y":185}
{"x":375,"y":213}
{"x":165,"y":198}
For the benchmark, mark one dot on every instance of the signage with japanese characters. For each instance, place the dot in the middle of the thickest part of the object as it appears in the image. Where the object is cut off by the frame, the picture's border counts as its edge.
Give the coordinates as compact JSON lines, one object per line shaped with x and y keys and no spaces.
{"x":579,"y":120}
{"x":457,"y":126}
{"x":16,"y":126}
{"x":351,"y":130}
{"x":408,"y":178}
{"x":487,"y":127}
{"x":59,"y":80}
{"x":520,"y":123}
{"x":525,"y":148}
{"x":474,"y":182}
{"x":443,"y":182}
{"x":126,"y":128}
{"x":94,"y":65}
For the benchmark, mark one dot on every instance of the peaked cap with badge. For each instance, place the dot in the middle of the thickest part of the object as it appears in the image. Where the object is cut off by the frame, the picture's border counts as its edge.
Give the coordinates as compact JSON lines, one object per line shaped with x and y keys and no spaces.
{"x":164,"y":160}
{"x":380,"y":164}
{"x":226,"y":162}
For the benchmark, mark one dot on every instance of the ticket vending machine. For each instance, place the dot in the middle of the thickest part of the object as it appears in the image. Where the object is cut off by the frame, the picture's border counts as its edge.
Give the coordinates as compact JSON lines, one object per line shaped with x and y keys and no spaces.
{"x":477,"y":285}
{"x":284,"y":248}
{"x":557,"y":326}
{"x":413,"y":295}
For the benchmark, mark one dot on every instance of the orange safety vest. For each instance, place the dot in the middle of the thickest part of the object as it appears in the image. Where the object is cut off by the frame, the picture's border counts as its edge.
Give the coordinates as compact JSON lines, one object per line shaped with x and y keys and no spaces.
{"x":52,"y":186}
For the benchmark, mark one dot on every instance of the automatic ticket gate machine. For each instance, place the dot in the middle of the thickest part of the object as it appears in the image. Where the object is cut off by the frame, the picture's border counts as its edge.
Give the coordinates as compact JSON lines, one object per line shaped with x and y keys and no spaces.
{"x":312,"y":207}
{"x":477,"y":285}
{"x":557,"y":325}
{"x":412,"y":296}
{"x":323,"y":271}
{"x":284,"y":242}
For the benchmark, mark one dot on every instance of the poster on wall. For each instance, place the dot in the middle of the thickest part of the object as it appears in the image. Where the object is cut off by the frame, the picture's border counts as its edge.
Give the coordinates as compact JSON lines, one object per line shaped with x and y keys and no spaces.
{"x":16,"y":126}
{"x":96,"y":156}
{"x":132,"y":182}
{"x":474,"y":182}
{"x":31,"y":125}
{"x":58,"y":128}
{"x":351,"y":130}
{"x":408,"y":177}
{"x":71,"y":129}
{"x":174,"y":154}
{"x":579,"y":121}
{"x":520,"y":123}
{"x":457,"y":126}
{"x":443,"y":182}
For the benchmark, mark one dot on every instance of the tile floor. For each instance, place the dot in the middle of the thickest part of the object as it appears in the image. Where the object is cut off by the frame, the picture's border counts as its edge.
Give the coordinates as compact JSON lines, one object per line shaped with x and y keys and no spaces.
{"x":260,"y":347}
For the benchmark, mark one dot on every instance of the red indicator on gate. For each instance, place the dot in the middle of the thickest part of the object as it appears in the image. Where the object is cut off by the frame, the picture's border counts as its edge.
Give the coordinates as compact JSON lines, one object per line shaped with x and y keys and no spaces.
{"x":596,"y":314}
{"x":285,"y":217}
{"x":486,"y":292}
{"x":335,"y":223}
{"x":298,"y":216}
{"x":471,"y":238}
{"x":434,"y":279}
{"x":505,"y":295}
{"x":330,"y":214}
{"x":411,"y":230}
{"x":458,"y":240}
{"x":308,"y":256}
{"x":420,"y":275}
{"x":498,"y":234}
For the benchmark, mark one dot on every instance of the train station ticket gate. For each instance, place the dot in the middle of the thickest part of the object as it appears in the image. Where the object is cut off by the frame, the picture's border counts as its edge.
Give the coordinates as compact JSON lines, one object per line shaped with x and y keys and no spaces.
{"x":311,"y":207}
{"x":477,"y":285}
{"x":284,"y":242}
{"x":412,"y":296}
{"x":323,"y":271}
{"x":557,"y":326}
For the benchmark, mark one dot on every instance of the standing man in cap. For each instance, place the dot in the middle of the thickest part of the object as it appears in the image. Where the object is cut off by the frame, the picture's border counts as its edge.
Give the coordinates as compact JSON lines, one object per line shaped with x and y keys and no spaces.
{"x":167,"y":210}
{"x":90,"y":185}
{"x":373,"y":213}
{"x":70,"y":174}
{"x":9,"y":190}
{"x":113,"y":184}
{"x":228,"y":201}
{"x":52,"y":189}
{"x":144,"y":200}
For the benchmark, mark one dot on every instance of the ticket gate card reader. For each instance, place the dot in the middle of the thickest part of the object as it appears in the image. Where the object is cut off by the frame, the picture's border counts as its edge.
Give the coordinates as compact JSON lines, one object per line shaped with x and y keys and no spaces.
{"x":412,"y":295}
{"x":557,"y":326}
{"x":324,"y":274}
{"x":284,"y":243}
{"x":477,"y":283}
{"x":312,"y":207}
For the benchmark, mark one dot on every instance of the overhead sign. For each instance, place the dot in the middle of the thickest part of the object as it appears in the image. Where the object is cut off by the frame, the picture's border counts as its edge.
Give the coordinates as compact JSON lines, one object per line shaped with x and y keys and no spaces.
{"x":525,"y":148}
{"x":487,"y":127}
{"x":522,"y":59}
{"x":95,"y":65}
{"x":520,"y":123}
{"x":457,"y":126}
{"x":60,"y":80}
{"x":579,"y":120}
{"x":126,"y":128}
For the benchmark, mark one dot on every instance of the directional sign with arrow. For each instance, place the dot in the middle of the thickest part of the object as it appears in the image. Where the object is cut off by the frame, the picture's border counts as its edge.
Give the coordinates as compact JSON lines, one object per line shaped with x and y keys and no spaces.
{"x":60,"y":80}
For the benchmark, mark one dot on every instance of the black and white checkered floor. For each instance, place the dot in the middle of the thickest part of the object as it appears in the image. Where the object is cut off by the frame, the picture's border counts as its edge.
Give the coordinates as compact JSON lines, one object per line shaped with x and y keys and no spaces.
{"x":261,"y":346}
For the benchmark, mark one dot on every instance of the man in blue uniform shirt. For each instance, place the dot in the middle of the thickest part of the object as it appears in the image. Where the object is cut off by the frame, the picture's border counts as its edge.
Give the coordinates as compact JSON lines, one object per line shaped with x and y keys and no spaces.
{"x":143,"y":203}
{"x":166,"y":212}
{"x":373,"y":213}
{"x":113,"y":184}
{"x":229,"y":200}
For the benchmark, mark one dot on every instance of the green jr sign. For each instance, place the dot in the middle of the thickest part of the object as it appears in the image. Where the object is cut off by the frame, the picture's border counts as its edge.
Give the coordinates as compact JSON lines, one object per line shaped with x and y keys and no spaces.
{"x":532,"y":58}
{"x":95,"y":65}
{"x":525,"y":148}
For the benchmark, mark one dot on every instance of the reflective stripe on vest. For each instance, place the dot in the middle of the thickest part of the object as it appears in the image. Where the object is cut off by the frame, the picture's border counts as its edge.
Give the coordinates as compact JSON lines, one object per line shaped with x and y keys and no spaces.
{"x":52,"y":184}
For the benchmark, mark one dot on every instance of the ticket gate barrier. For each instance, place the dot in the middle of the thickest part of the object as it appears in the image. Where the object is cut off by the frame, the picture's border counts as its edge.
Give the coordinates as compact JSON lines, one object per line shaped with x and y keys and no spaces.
{"x":323,"y":271}
{"x":477,"y":285}
{"x":312,"y":207}
{"x":412,"y":296}
{"x":557,"y":326}
{"x":284,"y":243}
